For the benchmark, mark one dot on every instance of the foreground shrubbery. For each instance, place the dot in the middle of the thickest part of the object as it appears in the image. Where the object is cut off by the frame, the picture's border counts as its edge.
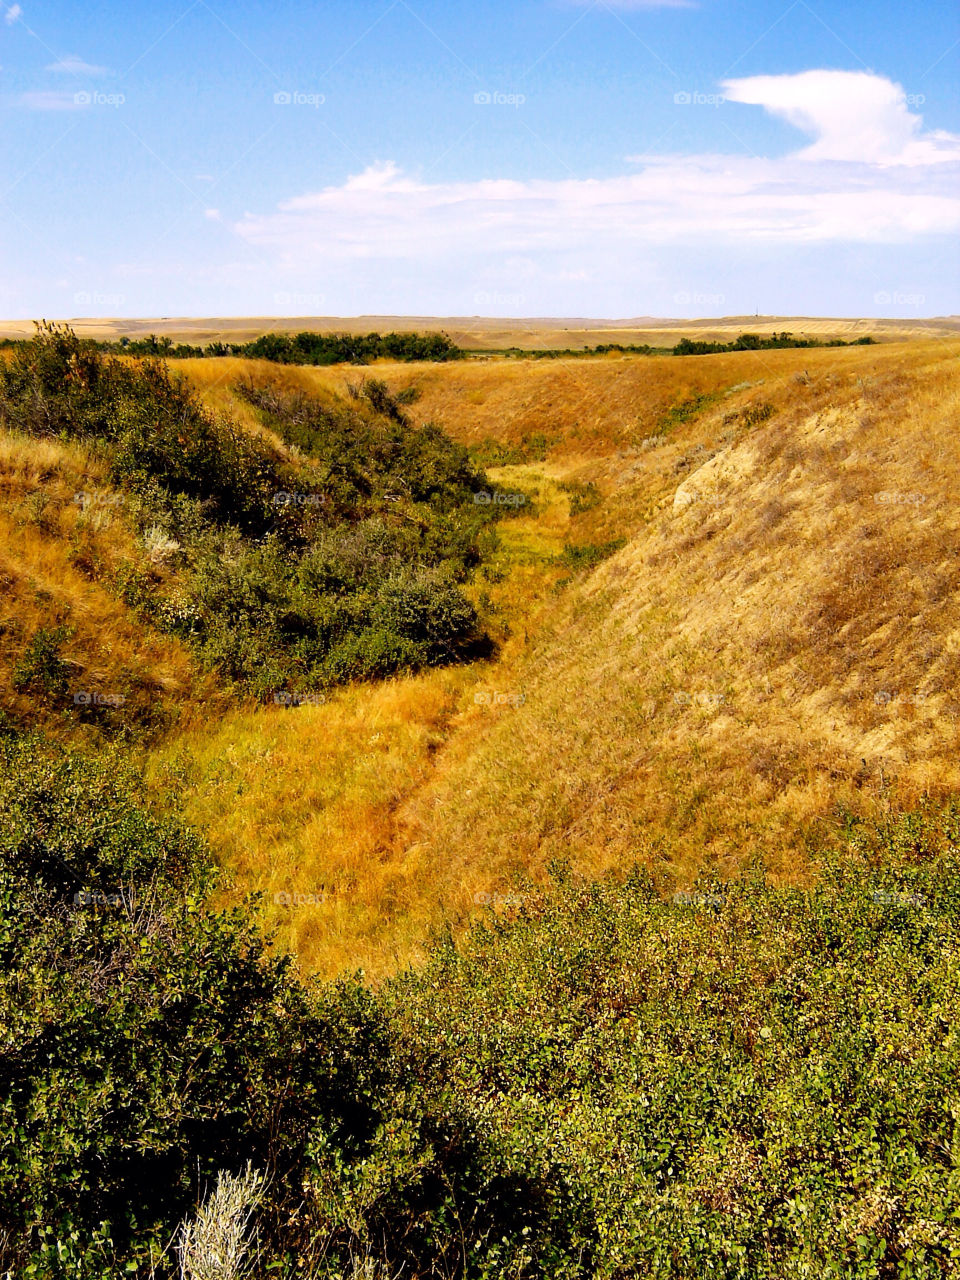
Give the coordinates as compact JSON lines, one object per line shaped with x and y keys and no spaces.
{"x":342,"y":560}
{"x":741,"y":1082}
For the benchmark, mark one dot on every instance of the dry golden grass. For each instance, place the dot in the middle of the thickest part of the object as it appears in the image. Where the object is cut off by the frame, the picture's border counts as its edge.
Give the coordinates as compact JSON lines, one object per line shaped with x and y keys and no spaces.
{"x":782,"y":604}
{"x":57,"y":556}
{"x":778,"y":646}
{"x":479,"y":333}
{"x":779,"y":636}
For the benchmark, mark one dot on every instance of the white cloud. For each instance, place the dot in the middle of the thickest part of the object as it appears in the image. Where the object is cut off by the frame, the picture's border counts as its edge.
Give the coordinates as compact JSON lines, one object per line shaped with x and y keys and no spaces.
{"x":871,"y":176}
{"x":853,"y":115}
{"x":73,"y":65}
{"x":213,"y":214}
{"x":12,"y":14}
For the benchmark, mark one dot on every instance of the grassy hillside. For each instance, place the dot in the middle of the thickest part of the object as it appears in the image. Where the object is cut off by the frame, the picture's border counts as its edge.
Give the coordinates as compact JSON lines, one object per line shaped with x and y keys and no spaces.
{"x":723,"y":605}
{"x":479,"y":333}
{"x":619,"y":694}
{"x":329,"y":545}
{"x":778,"y":636}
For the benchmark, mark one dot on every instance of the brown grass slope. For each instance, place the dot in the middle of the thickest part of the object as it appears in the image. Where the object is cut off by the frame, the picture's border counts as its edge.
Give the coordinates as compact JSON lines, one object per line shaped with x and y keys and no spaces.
{"x":778,"y":639}
{"x":64,"y":548}
{"x":487,"y":333}
{"x":784,"y":635}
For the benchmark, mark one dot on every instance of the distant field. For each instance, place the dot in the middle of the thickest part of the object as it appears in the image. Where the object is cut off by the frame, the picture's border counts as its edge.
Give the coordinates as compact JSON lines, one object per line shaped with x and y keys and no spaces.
{"x":478,"y":333}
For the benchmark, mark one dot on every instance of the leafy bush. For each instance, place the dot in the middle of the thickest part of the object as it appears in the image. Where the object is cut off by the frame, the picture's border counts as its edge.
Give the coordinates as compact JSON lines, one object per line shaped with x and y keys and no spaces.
{"x":304,"y":348}
{"x":755,"y":342}
{"x":583,"y":497}
{"x":40,"y":668}
{"x":605,"y":1081}
{"x":586,"y":555}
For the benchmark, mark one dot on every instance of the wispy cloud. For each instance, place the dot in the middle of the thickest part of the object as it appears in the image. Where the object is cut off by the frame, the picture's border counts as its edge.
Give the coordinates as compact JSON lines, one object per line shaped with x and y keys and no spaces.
{"x":871,"y":175}
{"x":73,"y":65}
{"x":11,"y":14}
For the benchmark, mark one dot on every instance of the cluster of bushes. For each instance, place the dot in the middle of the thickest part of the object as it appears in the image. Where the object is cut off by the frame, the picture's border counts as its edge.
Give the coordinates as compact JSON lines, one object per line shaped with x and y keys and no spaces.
{"x":606,"y":1081}
{"x":344,"y":558}
{"x":302,"y":348}
{"x":754,"y":342}
{"x":601,"y":349}
{"x":686,"y":409}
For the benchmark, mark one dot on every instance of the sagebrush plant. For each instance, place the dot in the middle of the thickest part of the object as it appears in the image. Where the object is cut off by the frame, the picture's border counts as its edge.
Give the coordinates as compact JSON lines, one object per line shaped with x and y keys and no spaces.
{"x":217,"y":1243}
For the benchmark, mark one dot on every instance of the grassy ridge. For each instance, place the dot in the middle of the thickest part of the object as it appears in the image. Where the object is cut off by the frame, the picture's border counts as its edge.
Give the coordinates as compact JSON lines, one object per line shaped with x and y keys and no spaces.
{"x":286,"y":569}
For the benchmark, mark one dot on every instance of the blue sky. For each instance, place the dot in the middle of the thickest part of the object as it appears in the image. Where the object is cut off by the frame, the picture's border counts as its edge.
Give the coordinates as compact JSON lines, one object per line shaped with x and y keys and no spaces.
{"x":508,"y":157}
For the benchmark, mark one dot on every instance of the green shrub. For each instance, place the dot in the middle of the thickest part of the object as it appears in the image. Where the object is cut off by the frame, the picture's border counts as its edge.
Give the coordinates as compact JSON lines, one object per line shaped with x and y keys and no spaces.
{"x":583,"y":497}
{"x":40,"y":668}
{"x":599,"y":1081}
{"x":587,"y":555}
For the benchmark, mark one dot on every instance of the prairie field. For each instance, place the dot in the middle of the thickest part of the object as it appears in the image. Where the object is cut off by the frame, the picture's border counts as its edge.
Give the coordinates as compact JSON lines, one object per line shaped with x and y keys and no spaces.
{"x":480,"y":642}
{"x":777,"y":641}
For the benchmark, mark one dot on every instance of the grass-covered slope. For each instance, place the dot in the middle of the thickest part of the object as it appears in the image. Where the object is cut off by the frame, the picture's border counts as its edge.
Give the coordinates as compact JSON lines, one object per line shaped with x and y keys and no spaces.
{"x":776,"y":636}
{"x":333,"y":548}
{"x":743,"y":1081}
